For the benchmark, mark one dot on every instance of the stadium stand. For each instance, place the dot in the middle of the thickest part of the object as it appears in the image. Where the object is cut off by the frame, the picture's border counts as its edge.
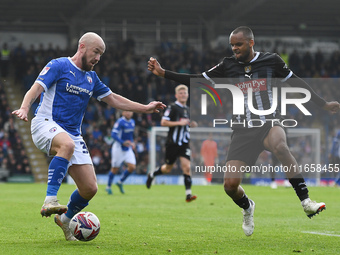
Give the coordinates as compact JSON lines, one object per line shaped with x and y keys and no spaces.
{"x":14,"y":162}
{"x":180,"y":39}
{"x":126,"y":74}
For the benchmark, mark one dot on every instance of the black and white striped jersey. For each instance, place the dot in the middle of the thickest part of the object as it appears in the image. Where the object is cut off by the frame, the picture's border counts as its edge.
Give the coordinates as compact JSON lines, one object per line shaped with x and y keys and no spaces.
{"x":261,"y":74}
{"x":178,"y":134}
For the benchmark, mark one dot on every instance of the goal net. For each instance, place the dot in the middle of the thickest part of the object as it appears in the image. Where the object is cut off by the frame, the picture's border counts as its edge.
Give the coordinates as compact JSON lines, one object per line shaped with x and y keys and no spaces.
{"x":304,"y":143}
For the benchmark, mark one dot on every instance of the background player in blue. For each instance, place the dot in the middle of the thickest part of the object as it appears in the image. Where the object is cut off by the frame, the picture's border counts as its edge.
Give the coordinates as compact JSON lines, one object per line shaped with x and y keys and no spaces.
{"x":334,"y":156}
{"x":122,"y":149}
{"x":248,"y":142}
{"x":65,"y":86}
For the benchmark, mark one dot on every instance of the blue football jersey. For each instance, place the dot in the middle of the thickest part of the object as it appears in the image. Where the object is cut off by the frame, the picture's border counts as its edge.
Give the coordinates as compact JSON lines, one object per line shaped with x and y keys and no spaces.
{"x":335,"y":152}
{"x":123,"y":130}
{"x":67,"y":91}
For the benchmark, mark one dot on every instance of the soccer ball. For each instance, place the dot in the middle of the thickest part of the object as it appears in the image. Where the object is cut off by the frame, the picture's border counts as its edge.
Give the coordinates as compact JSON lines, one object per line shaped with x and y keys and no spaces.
{"x":85,"y":226}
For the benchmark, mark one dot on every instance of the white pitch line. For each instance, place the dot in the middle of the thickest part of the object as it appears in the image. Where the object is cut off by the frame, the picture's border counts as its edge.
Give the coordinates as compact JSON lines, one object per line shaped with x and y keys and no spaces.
{"x":319,"y":233}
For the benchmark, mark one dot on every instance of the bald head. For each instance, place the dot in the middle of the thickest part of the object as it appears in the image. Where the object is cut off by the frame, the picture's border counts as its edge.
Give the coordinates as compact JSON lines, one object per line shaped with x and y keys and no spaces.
{"x":90,"y":48}
{"x":91,"y":39}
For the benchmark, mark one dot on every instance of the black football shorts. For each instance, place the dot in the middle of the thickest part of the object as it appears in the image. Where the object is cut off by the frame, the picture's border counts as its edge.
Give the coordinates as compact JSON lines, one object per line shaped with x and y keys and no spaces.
{"x":247,"y":144}
{"x":173,"y":151}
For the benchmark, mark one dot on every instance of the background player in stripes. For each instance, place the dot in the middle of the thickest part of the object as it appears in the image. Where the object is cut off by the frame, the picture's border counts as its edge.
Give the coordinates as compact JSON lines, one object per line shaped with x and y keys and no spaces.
{"x":122,"y":149}
{"x":248,"y":142}
{"x":177,"y":118}
{"x":66,"y":85}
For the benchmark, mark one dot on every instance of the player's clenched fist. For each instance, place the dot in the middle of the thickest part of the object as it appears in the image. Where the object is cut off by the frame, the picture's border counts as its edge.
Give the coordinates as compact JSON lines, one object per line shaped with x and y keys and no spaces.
{"x":155,"y":67}
{"x":333,"y":106}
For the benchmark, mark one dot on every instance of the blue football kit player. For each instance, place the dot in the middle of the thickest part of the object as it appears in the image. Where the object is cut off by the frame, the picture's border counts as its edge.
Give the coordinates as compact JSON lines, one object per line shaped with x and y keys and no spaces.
{"x":65,"y":86}
{"x":334,"y":156}
{"x":122,"y":150}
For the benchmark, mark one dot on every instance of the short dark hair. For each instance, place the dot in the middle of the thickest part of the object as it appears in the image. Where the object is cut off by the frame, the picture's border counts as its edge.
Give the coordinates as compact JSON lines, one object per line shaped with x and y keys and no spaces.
{"x":247,"y":32}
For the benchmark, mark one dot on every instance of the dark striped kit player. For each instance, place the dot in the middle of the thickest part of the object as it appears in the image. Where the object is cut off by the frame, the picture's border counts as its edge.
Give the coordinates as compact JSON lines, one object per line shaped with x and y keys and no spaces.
{"x":177,"y":135}
{"x":248,"y":142}
{"x":177,"y":118}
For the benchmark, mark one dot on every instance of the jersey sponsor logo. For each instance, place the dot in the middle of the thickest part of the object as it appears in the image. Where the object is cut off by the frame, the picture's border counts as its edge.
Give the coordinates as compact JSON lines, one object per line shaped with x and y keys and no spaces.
{"x":45,"y":70}
{"x":52,"y":130}
{"x":256,"y":85}
{"x":89,"y":79}
{"x":77,"y":90}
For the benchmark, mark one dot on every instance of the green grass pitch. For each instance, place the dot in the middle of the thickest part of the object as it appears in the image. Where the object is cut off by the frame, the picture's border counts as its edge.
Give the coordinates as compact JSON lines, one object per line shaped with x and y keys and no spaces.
{"x":159,"y":221}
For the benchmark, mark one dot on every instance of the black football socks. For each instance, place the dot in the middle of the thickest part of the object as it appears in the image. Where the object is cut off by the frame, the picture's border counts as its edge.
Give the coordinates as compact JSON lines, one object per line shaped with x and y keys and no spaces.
{"x":299,"y":186}
{"x":187,"y":181}
{"x":157,"y":172}
{"x":243,"y":202}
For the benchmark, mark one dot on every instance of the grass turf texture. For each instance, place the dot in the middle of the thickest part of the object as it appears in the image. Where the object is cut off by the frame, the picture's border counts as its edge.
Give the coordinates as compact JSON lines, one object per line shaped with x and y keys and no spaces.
{"x":159,"y":221}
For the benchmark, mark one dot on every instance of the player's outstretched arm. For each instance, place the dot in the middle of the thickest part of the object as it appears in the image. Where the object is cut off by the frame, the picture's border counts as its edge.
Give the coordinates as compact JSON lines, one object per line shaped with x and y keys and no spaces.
{"x":122,"y":103}
{"x":181,"y":78}
{"x":296,"y":81}
{"x":28,"y":100}
{"x":332,"y":107}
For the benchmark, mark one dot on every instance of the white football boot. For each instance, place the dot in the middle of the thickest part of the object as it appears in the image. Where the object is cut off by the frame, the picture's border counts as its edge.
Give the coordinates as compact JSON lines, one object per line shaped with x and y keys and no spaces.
{"x":248,"y":219}
{"x":312,"y":208}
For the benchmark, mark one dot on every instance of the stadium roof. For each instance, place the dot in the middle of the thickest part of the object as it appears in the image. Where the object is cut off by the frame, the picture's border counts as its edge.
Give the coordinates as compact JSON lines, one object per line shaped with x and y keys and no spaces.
{"x":267,"y":17}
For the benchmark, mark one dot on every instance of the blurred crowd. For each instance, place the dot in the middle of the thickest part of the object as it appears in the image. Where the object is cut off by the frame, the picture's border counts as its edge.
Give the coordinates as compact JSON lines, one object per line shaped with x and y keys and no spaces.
{"x":126,"y":74}
{"x":13,"y":157}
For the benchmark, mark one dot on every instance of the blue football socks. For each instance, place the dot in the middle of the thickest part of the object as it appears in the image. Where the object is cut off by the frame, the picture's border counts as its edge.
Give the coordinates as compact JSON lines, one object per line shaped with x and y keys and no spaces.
{"x":76,"y":204}
{"x":111,"y":176}
{"x":56,"y":173}
{"x":124,"y":176}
